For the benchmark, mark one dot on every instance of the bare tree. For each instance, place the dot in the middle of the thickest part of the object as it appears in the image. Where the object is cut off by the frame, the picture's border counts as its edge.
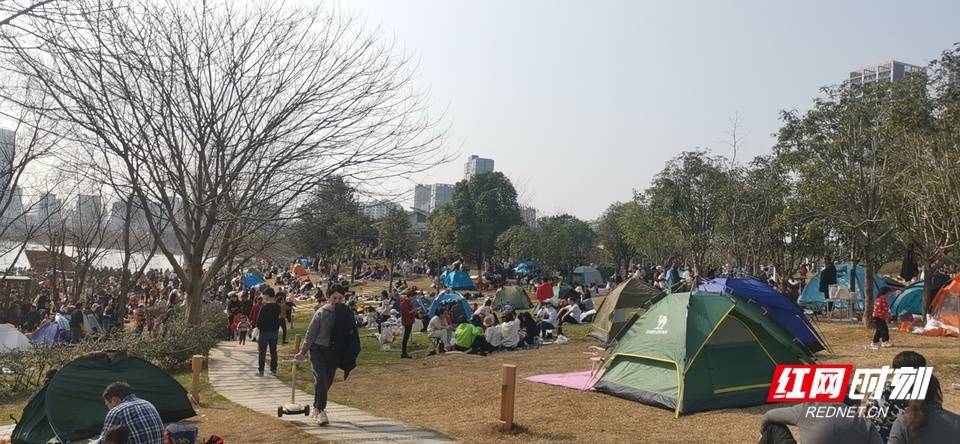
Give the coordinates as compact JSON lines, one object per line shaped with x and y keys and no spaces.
{"x":89,"y":236}
{"x":217,"y":118}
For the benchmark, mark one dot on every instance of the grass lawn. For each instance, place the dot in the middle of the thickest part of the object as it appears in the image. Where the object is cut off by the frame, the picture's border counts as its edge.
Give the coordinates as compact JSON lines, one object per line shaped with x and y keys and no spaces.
{"x":458,"y":394}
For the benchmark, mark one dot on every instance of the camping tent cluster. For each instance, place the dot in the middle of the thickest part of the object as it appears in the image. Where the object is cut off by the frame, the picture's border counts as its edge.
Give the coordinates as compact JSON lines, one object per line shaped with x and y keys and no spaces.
{"x":70,"y":407}
{"x":713,"y":348}
{"x":812,"y":297}
{"x":458,"y":280}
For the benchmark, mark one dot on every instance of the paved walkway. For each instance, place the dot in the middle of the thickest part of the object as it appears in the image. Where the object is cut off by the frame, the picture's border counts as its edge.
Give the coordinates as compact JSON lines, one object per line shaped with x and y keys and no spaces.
{"x":231,"y":372}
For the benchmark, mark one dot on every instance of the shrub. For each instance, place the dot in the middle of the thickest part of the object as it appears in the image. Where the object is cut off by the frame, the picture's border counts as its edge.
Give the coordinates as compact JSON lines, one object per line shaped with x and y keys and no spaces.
{"x":170,"y":346}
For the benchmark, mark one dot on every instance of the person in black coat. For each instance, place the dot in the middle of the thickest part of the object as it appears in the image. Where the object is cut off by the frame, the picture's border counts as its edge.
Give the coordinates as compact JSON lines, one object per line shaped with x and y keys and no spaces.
{"x":828,"y":277}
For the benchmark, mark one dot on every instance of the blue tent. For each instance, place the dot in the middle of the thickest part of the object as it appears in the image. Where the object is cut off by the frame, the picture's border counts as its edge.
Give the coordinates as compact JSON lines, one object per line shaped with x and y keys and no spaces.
{"x":910,"y":300}
{"x":252,"y":279}
{"x":773,"y":304}
{"x":450,"y":297}
{"x":812,"y":296}
{"x":458,"y":280}
{"x":526,"y":267}
{"x":305,"y":262}
{"x":47,"y":335}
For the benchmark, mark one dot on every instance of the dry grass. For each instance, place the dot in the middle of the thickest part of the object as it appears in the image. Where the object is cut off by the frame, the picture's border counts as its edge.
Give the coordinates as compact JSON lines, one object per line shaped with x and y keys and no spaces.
{"x":459,"y":394}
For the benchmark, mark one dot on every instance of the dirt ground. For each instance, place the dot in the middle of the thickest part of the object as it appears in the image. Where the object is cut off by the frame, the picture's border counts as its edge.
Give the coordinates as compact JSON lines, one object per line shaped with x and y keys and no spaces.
{"x":459,"y":394}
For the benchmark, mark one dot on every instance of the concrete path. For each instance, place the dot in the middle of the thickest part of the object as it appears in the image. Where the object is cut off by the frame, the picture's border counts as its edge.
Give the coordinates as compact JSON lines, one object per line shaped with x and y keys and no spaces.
{"x":232,"y":371}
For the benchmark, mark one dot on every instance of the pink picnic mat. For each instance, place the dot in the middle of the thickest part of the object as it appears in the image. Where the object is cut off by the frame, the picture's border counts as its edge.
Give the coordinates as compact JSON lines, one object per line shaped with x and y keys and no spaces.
{"x":575,"y":380}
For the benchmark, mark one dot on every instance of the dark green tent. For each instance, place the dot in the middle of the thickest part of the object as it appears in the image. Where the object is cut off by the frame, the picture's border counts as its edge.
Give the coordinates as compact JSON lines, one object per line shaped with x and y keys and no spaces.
{"x":70,"y":407}
{"x":612,"y":309}
{"x":512,"y":295}
{"x":698,"y":351}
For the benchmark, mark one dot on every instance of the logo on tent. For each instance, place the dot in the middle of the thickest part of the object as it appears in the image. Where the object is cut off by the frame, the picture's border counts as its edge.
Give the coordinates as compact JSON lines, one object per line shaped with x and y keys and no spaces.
{"x":661,"y":328}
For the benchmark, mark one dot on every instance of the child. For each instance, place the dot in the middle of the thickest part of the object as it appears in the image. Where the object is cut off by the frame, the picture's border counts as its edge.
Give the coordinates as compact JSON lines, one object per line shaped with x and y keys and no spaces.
{"x":243,"y":329}
{"x":881,"y":316}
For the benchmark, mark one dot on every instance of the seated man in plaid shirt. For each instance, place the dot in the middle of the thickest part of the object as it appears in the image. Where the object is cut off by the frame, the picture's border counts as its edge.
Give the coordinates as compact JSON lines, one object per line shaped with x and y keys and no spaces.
{"x":139,"y":416}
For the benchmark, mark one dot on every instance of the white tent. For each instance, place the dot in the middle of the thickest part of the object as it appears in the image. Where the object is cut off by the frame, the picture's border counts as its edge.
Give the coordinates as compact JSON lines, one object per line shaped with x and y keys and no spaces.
{"x":587,"y":275}
{"x":11,"y":339}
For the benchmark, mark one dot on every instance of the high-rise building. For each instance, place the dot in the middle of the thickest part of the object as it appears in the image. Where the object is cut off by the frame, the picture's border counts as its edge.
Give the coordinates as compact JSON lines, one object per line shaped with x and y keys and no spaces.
{"x":47,"y":210}
{"x":429,"y":197}
{"x":89,"y":210}
{"x":8,"y":144}
{"x":529,"y":215}
{"x":890,"y":70}
{"x":421,"y":197}
{"x":378,"y":209}
{"x":440,"y":194}
{"x":477,"y":165}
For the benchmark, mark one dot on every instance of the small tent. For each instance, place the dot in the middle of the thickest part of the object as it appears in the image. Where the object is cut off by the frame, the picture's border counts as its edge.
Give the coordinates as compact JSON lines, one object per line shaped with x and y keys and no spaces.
{"x":587,"y":275}
{"x":252,"y":279}
{"x":693,"y":352}
{"x":48,"y":333}
{"x":773,"y":304}
{"x":11,"y":339}
{"x":812,"y":296}
{"x":513,"y":295}
{"x":70,"y":406}
{"x":910,"y":300}
{"x":612,"y":313}
{"x":305,"y":263}
{"x":459,"y":306}
{"x":944,"y":316}
{"x":299,"y":270}
{"x":562,"y":292}
{"x":526,"y":267}
{"x":458,"y":280}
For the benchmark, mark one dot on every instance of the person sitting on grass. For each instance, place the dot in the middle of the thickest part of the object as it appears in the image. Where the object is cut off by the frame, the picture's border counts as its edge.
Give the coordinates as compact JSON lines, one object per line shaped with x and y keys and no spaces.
{"x":894,"y":407}
{"x":467,"y":333}
{"x":487,"y":308}
{"x":569,"y":313}
{"x":140,"y":417}
{"x":493,"y":336}
{"x":774,"y":430}
{"x":439,"y":330}
{"x":529,"y":329}
{"x":925,"y":420}
{"x":510,"y":329}
{"x":548,"y":318}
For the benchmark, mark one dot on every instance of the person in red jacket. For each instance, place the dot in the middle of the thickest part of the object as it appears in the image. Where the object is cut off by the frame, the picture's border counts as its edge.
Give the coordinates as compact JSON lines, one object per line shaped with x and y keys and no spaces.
{"x":406,"y":320}
{"x":544,"y":291}
{"x":881,"y":316}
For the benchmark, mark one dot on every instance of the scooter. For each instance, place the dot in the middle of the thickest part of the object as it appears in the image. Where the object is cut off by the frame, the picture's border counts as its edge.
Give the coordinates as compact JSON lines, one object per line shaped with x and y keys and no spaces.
{"x":293,"y":408}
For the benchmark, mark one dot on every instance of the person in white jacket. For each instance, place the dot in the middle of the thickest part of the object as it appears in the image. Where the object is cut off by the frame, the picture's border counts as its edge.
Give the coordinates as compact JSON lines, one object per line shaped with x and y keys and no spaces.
{"x":510,"y":330}
{"x":438,"y":329}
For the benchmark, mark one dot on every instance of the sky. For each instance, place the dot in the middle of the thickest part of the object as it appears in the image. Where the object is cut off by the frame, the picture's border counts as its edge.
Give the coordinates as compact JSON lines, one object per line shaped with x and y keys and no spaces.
{"x":580,"y":103}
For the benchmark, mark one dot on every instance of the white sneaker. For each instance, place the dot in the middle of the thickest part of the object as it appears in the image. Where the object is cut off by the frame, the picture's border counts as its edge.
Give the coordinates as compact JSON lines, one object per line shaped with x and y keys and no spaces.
{"x":873,"y":346}
{"x":886,"y":344}
{"x":322,"y":418}
{"x":314,"y":412}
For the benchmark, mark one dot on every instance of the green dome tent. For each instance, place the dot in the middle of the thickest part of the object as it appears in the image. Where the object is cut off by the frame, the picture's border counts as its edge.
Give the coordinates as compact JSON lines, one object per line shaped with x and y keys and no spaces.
{"x":612,"y":314}
{"x":70,"y":407}
{"x":512,"y":295}
{"x":698,"y":351}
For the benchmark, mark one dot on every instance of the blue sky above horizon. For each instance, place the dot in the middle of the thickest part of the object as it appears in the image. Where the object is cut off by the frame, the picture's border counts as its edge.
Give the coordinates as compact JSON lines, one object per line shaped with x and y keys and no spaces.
{"x":580,"y":103}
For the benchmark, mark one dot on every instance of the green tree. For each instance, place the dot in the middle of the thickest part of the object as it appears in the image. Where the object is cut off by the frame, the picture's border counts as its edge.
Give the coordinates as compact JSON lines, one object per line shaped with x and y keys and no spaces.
{"x":612,"y":239}
{"x":330,"y":224}
{"x":394,"y":237}
{"x":650,"y":231}
{"x":565,"y":242}
{"x":484,"y":206}
{"x":844,"y":146}
{"x":443,"y":232}
{"x":691,"y":189}
{"x":519,"y":242}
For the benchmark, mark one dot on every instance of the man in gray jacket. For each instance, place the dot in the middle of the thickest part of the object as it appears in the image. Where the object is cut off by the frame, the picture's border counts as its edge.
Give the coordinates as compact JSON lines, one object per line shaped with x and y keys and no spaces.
{"x":324,"y":361}
{"x":813,"y":429}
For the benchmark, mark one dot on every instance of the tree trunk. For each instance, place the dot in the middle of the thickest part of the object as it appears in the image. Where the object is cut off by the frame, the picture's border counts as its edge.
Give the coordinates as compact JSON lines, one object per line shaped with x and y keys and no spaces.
{"x":928,"y":290}
{"x":194,"y":294}
{"x":868,"y":294}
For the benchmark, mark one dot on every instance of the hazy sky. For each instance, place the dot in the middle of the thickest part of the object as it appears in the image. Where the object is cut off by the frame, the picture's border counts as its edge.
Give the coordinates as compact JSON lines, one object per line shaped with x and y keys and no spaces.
{"x":580,"y":103}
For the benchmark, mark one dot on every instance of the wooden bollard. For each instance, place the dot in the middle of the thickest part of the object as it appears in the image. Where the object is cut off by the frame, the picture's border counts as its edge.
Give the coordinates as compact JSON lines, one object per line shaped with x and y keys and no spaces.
{"x":508,"y":391}
{"x":297,"y":342}
{"x":197,"y":364}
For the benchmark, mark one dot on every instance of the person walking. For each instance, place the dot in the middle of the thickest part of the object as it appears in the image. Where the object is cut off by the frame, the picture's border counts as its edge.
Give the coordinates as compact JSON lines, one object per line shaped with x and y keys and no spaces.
{"x":407,"y":318}
{"x":268,"y":324}
{"x":881,"y":316}
{"x":322,"y":358}
{"x":828,"y":277}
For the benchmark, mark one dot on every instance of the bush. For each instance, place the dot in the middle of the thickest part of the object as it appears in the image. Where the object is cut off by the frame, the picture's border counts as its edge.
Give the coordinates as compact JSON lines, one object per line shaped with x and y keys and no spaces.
{"x":171,"y":346}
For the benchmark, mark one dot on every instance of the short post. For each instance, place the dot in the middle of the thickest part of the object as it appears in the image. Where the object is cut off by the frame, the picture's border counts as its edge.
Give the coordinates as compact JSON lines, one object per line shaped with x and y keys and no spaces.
{"x":508,"y":390}
{"x":197,"y":364}
{"x":297,"y":342}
